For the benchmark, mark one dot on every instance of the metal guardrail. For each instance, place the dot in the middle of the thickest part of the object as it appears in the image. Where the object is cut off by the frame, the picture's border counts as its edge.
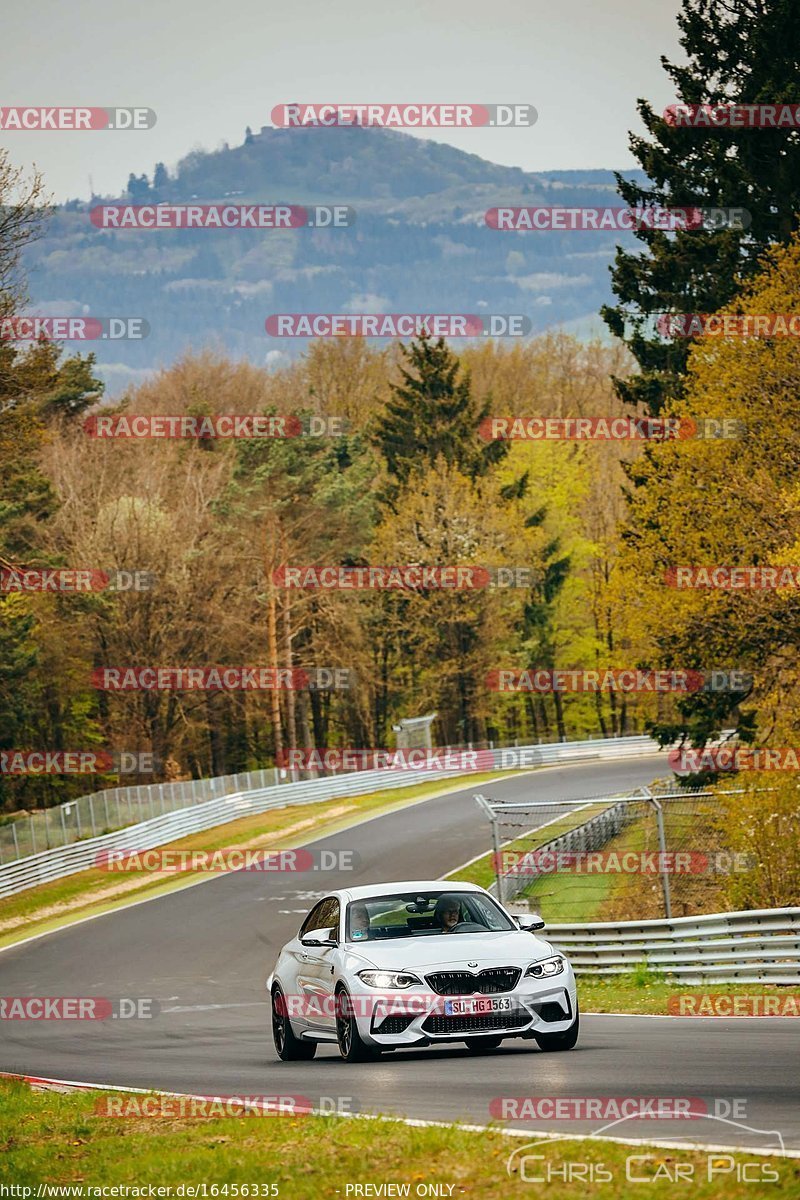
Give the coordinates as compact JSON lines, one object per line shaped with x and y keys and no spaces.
{"x":761,"y":946}
{"x":79,"y":855}
{"x":582,"y":839}
{"x":516,"y":829}
{"x":116,"y":808}
{"x":758,"y":946}
{"x":119,"y":807}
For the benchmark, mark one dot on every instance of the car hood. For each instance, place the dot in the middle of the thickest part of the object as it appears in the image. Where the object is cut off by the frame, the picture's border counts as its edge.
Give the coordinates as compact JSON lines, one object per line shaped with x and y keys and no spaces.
{"x":454,"y":951}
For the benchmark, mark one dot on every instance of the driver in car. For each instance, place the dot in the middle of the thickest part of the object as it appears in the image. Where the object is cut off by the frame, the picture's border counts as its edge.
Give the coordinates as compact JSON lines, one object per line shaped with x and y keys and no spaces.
{"x":447,"y":913}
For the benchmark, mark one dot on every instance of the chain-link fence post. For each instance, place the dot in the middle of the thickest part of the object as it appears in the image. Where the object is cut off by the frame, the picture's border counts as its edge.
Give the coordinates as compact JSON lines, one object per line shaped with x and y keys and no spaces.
{"x":498,"y":873}
{"x":662,"y":851}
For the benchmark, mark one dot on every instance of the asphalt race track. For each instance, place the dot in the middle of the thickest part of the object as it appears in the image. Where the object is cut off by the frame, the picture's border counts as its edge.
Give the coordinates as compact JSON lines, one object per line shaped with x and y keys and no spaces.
{"x":203,"y":954}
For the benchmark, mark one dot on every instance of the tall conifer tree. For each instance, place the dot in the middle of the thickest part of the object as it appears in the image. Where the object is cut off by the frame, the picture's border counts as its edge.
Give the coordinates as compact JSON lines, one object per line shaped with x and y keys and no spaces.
{"x":738,"y":52}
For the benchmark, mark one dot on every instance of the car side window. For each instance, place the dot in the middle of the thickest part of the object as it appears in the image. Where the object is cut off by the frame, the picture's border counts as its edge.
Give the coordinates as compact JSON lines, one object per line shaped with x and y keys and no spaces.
{"x":311,"y":921}
{"x":324,"y":915}
{"x":331,"y":917}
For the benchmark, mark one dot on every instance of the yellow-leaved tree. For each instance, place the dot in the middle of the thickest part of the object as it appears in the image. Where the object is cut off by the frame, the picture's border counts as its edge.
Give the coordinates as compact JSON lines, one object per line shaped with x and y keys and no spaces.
{"x":726,"y":501}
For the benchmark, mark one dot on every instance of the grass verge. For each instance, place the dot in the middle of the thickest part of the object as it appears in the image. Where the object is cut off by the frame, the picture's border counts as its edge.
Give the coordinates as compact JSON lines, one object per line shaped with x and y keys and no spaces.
{"x":692,"y":827}
{"x":88,"y":893}
{"x":481,"y":870}
{"x":53,"y":1138}
{"x":566,"y":895}
{"x":648,"y":992}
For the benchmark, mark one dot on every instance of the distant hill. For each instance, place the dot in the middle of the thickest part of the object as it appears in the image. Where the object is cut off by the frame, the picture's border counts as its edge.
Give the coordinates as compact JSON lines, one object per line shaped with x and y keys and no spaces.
{"x":419,"y":244}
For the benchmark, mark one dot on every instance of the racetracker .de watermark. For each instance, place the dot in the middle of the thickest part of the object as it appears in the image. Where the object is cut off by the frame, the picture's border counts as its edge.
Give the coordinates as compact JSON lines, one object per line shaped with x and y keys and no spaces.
{"x":577,"y":429}
{"x":609,"y":429}
{"x":222,"y":216}
{"x":325,"y":758}
{"x":73,"y":329}
{"x":397,"y":325}
{"x":377,"y":1003}
{"x":77,"y":762}
{"x":408,"y":115}
{"x":413,"y":577}
{"x":735,"y":758}
{"x":204,"y":1108}
{"x":733,"y":579}
{"x":552,"y":218}
{"x":734,"y":1004}
{"x":615,"y":1108}
{"x":219,"y":679}
{"x":48,"y":119}
{"x":733,"y":116}
{"x":212,"y":426}
{"x":78,"y":1008}
{"x":233,"y":858}
{"x":74,"y":580}
{"x":625,"y":862}
{"x":544,"y":681}
{"x":728,"y":325}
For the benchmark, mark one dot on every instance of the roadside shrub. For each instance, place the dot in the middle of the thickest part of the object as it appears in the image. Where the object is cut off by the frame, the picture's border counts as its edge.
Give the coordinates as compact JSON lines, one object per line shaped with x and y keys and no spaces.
{"x":763,"y":825}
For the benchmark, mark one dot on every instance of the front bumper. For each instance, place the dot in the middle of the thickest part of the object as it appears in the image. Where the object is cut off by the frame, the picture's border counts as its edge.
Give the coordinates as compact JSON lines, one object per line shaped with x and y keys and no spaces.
{"x":404,"y":1020}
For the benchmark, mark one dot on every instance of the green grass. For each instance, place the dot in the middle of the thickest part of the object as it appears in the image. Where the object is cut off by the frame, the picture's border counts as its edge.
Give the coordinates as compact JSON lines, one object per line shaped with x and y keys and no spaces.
{"x":569,"y":895}
{"x":482,"y":871}
{"x":557,"y":898}
{"x":52,"y":905}
{"x":650,"y":992}
{"x":573,"y":896}
{"x":689,"y":825}
{"x":47,"y":1137}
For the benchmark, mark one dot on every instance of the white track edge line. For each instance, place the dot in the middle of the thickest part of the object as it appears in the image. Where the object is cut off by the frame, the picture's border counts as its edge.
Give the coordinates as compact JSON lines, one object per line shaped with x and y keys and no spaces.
{"x":211,"y":877}
{"x":364,"y":821}
{"x":530,"y":1134}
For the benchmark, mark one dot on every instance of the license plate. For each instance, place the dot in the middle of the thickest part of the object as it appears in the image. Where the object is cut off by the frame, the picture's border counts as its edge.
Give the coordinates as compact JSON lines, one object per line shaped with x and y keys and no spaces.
{"x":475,"y":1006}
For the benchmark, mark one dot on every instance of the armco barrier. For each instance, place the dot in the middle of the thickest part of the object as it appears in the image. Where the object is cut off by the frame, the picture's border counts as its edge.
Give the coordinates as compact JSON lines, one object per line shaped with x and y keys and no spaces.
{"x":591,"y":835}
{"x":762,"y":946}
{"x":55,"y":863}
{"x":117,"y":808}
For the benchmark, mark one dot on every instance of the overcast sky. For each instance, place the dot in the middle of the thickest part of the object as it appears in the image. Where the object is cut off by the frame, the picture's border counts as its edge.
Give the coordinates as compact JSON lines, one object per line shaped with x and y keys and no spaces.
{"x":208,"y":70}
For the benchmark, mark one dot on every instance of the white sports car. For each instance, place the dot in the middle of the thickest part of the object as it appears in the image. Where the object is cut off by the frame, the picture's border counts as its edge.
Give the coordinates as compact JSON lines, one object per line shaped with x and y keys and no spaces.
{"x":415,"y":964}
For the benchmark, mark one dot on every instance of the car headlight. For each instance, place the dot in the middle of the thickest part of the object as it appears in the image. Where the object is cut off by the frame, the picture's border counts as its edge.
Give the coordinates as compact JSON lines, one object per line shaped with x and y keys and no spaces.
{"x":546,"y":967}
{"x":391,"y":980}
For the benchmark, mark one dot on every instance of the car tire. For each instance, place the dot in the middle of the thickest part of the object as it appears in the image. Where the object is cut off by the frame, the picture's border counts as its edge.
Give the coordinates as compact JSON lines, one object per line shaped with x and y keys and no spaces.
{"x":289,"y":1048}
{"x":560,"y":1041}
{"x":482,"y":1045}
{"x":351,"y":1046}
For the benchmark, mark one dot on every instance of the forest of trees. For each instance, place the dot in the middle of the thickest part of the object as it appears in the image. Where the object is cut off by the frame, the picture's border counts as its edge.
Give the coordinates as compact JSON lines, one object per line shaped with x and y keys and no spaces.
{"x":213,"y":521}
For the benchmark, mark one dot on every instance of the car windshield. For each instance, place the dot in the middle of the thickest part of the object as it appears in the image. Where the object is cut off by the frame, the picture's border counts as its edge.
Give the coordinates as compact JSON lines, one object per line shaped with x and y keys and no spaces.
{"x":424,"y":914}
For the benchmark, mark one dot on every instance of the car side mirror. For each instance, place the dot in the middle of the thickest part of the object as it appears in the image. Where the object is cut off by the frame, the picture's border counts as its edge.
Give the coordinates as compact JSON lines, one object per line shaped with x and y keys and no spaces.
{"x":530,"y":923}
{"x":318,"y":937}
